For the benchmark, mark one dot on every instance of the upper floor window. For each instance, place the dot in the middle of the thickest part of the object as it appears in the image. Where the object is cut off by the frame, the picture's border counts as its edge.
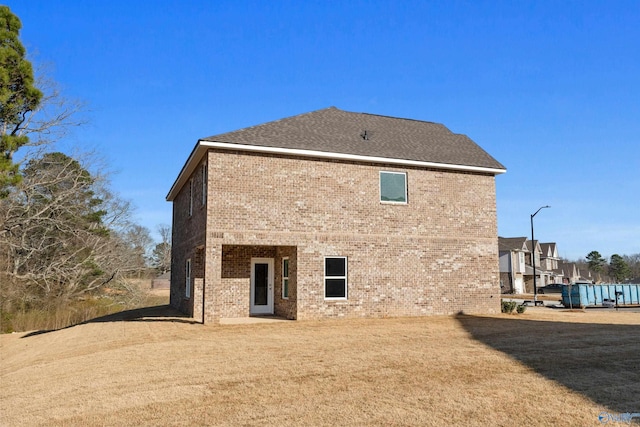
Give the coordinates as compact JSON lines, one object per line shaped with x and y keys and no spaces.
{"x":393,"y":187}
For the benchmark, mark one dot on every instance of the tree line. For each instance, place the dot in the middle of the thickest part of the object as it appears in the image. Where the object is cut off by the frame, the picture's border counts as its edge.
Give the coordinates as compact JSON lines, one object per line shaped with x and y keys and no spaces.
{"x":64,"y":234}
{"x":618,"y":269}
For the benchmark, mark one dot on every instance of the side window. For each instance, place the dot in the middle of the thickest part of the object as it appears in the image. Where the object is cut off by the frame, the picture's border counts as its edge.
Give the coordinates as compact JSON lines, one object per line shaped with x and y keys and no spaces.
{"x":393,"y":187}
{"x":285,"y":278}
{"x":335,"y":278}
{"x":187,"y":290}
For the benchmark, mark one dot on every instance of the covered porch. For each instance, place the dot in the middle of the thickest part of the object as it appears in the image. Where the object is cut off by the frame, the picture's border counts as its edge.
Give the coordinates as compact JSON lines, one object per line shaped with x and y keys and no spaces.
{"x":257,"y":281}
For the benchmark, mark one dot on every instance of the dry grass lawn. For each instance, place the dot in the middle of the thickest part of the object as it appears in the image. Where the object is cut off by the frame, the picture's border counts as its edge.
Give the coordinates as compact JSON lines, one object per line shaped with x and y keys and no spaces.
{"x":545,"y":367}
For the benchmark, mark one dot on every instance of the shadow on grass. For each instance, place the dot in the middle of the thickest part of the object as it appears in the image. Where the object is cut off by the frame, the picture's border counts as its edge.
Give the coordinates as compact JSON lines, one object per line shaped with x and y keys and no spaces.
{"x":599,"y":361}
{"x":158,"y":313}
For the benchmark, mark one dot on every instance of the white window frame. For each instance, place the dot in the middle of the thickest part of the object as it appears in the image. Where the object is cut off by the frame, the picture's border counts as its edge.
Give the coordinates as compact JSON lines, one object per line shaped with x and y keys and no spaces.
{"x":204,"y":184}
{"x":285,"y":278}
{"x":346,"y":274}
{"x":187,"y":281}
{"x":191,"y":197}
{"x":406,"y":190}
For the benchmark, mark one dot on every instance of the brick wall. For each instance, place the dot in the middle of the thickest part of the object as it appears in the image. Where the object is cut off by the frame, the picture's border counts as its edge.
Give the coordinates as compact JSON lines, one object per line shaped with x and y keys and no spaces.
{"x":287,"y":308}
{"x":188,"y":242}
{"x":435,"y":255}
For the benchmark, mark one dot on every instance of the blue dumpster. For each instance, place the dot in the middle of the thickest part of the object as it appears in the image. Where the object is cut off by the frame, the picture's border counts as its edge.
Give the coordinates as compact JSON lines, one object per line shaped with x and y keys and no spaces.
{"x":581,"y":295}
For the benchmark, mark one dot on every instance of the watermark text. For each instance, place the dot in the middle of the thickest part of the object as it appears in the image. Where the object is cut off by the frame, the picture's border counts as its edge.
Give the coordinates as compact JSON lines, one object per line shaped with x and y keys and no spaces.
{"x":626,"y":417}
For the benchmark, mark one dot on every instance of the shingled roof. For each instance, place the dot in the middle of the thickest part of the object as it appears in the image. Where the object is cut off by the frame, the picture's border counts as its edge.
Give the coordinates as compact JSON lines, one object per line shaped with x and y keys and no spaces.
{"x":512,"y":244}
{"x":336,"y":131}
{"x":338,"y":134}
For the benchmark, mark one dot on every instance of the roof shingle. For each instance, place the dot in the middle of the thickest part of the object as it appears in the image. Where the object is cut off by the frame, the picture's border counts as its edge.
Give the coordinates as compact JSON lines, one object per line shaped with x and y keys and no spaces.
{"x":512,"y":244}
{"x":337,"y":131}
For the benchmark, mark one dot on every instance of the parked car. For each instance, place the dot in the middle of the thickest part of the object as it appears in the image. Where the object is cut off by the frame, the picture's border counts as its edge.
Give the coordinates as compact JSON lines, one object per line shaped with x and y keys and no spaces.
{"x":552,"y":288}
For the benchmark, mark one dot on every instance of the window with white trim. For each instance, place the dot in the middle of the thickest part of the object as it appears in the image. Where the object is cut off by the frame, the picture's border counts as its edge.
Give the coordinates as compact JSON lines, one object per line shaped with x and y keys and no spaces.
{"x":393,"y":187}
{"x":335,"y":277}
{"x":285,"y":278}
{"x":187,"y":281}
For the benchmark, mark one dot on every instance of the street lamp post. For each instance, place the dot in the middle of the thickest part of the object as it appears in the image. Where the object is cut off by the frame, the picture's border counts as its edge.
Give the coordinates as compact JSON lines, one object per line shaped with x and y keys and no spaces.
{"x":533,"y":258}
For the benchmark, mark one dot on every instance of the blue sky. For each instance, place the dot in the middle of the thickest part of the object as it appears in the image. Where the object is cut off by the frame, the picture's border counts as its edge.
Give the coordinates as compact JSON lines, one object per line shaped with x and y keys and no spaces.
{"x":551,"y":89}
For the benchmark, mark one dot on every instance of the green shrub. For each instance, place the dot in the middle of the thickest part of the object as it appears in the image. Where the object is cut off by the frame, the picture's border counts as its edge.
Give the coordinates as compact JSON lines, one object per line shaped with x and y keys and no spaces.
{"x":521,"y":308}
{"x":508,"y":306}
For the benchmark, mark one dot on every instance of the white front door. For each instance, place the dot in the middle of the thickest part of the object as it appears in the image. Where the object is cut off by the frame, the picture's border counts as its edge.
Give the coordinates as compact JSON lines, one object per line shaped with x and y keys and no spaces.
{"x":261,"y":286}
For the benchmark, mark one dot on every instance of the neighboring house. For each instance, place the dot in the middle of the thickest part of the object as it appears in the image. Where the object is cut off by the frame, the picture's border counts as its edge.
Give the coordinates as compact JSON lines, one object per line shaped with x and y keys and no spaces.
{"x":586,"y":276}
{"x":549,"y":256}
{"x":534,"y":250}
{"x":335,"y":214}
{"x":513,"y":252}
{"x":516,"y":268}
{"x":569,"y":272}
{"x":549,"y":260}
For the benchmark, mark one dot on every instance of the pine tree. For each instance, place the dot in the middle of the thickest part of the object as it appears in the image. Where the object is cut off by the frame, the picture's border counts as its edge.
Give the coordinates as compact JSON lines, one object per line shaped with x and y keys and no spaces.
{"x":18,"y":96}
{"x":596,"y":261}
{"x":618,"y":268}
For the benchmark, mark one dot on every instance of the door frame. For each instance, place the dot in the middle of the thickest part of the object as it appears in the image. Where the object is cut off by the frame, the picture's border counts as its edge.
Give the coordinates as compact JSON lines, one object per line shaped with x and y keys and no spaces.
{"x":268,"y":308}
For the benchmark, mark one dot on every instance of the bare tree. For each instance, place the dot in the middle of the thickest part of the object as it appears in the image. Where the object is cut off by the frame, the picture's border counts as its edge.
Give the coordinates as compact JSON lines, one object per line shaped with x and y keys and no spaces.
{"x":161,"y":257}
{"x":61,"y":232}
{"x":139,"y":242}
{"x":55,"y":116}
{"x":633,"y":261}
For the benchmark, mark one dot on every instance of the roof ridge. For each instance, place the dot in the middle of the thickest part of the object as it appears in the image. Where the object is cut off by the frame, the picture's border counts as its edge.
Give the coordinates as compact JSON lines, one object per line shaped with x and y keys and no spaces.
{"x":395,"y":118}
{"x":270,"y":122}
{"x":333,"y":130}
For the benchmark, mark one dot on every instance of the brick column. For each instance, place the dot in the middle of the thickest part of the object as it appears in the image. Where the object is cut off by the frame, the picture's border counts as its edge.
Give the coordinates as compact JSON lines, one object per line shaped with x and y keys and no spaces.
{"x":198,"y":284}
{"x":213,"y":274}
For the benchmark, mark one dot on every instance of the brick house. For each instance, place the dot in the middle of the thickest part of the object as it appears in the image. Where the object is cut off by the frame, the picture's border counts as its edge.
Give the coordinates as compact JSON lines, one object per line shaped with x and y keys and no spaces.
{"x":335,"y":214}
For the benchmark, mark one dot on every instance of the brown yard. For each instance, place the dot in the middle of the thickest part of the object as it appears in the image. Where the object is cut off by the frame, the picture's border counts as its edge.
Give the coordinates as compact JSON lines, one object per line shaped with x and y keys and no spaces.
{"x":152,"y":367}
